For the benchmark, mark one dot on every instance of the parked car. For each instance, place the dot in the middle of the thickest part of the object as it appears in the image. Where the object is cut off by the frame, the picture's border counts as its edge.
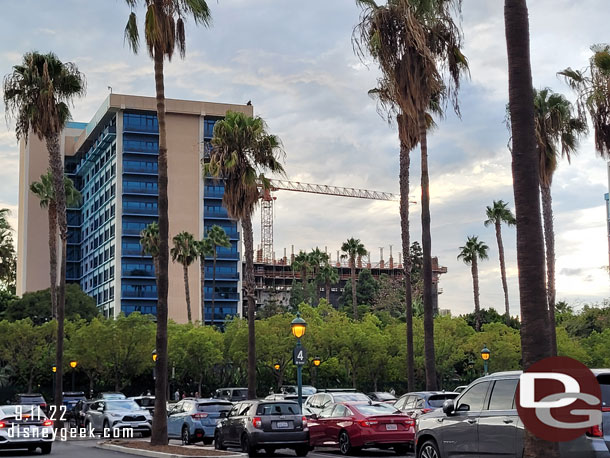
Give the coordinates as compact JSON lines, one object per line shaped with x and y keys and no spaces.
{"x":306,"y":390}
{"x":231,"y":394}
{"x":353,"y":426}
{"x":71,"y":398}
{"x":195,"y":420}
{"x":78,"y":414}
{"x":19,"y":418}
{"x":118,"y":414}
{"x":483,"y":421}
{"x":323,"y":398}
{"x":269,"y":425}
{"x":32,"y":399}
{"x":146,"y":402}
{"x":382,"y":396}
{"x":459,"y":389}
{"x":281,"y":397}
{"x":421,"y":402}
{"x":112,"y":395}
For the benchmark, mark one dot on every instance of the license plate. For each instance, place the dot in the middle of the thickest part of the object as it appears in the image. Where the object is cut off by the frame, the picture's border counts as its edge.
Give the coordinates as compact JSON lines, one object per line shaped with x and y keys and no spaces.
{"x":391,"y":427}
{"x":281,"y":424}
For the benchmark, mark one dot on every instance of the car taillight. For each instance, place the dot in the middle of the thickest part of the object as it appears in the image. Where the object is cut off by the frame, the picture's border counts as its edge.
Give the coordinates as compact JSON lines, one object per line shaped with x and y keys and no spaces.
{"x":367,"y":423}
{"x":257,"y":422}
{"x":605,"y":409}
{"x":2,"y":424}
{"x":595,"y":431}
{"x":426,"y":410}
{"x":199,"y":416}
{"x":304,"y":419}
{"x":47,"y":423}
{"x":43,"y":405}
{"x":410,"y":422}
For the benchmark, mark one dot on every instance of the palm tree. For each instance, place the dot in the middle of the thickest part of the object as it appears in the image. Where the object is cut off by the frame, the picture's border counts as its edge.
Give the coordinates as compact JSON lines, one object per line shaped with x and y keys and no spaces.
{"x":164,"y":30}
{"x":38,"y":94}
{"x":317,"y":259}
{"x":8,"y":260}
{"x":497,"y":214}
{"x":470,"y":254}
{"x":352,"y":248}
{"x":43,"y":189}
{"x":184,"y":251}
{"x":149,"y":241}
{"x":415,"y":43}
{"x":557,"y":134}
{"x":204,"y":249}
{"x":242,"y":151}
{"x":535,"y":341}
{"x":592,"y":86}
{"x":302,"y":262}
{"x":328,"y":275}
{"x":218,"y":238}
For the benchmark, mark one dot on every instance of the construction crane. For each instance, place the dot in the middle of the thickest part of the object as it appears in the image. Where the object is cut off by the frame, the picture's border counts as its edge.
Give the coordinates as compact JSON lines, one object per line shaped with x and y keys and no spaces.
{"x":277,"y":185}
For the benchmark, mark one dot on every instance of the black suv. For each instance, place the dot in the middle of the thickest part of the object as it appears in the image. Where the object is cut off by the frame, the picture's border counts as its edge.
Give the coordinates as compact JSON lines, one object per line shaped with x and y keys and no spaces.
{"x":268,"y":425}
{"x":32,"y":399}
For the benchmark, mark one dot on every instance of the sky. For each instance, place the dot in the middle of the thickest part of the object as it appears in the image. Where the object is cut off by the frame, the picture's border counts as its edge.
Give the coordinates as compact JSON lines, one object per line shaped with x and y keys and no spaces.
{"x":295,"y":62}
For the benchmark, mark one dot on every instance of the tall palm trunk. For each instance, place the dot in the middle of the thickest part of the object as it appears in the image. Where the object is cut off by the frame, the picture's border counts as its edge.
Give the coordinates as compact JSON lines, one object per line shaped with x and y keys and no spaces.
{"x":187,"y":292}
{"x":304,"y":284}
{"x":57,"y":170}
{"x":503,"y":270}
{"x":549,"y":239}
{"x":535,"y":342}
{"x":354,"y":299}
{"x":405,"y":163}
{"x":53,"y":256}
{"x":474,"y":268}
{"x":430,"y":363}
{"x":202,"y":268}
{"x":327,"y":290}
{"x":214,"y":287}
{"x":249,"y":290}
{"x":159,"y":428}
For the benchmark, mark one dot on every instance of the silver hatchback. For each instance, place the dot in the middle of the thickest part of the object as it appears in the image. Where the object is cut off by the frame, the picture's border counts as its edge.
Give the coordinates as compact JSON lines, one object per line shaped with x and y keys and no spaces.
{"x":483,"y":421}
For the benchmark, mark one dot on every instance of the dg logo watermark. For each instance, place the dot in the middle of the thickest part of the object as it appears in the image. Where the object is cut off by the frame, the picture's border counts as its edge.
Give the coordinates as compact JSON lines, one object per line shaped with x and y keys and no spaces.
{"x":558,"y":399}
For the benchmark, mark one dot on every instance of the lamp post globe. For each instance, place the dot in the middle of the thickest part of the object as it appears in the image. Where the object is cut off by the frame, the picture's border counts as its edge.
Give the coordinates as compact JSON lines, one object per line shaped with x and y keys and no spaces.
{"x":485,"y":355}
{"x":298,"y":326}
{"x":316,"y":361}
{"x":154,"y":355}
{"x":276,"y":367}
{"x":73,"y":364}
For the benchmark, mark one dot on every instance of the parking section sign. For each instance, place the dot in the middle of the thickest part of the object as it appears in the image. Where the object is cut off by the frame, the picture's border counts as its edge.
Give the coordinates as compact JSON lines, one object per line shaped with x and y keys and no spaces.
{"x":299,"y":356}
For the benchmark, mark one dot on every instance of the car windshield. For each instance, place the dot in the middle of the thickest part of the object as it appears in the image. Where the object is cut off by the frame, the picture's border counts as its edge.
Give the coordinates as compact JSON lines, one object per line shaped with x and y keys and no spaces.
{"x":377,"y":409}
{"x":76,"y":397}
{"x":113,"y":396}
{"x":28,"y":399}
{"x":604,"y":383}
{"x":145,"y":402}
{"x":437,"y":400}
{"x":385,"y":396}
{"x":278,"y":408}
{"x":343,"y":397}
{"x":122,"y":405}
{"x":10,"y":411}
{"x":308,"y":390}
{"x":214,"y":407}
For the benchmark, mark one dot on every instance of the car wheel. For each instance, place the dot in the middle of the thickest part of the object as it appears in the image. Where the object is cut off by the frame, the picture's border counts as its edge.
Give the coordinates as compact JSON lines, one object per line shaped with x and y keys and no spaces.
{"x":429,"y":450}
{"x":186,"y":435}
{"x":345,"y":445}
{"x":46,"y":448}
{"x":218,"y":444}
{"x":88,"y":426}
{"x":269,"y":450}
{"x":302,"y":450}
{"x":401,"y":449}
{"x":106,"y":426}
{"x":246,"y":446}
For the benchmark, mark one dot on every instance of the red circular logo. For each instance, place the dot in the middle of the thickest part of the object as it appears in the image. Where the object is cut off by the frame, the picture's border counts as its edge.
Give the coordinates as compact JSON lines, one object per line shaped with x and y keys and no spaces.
{"x":559,"y":399}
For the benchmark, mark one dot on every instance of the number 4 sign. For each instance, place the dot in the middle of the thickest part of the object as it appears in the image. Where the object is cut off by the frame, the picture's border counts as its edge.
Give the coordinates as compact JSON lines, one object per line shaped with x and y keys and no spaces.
{"x":299,"y":356}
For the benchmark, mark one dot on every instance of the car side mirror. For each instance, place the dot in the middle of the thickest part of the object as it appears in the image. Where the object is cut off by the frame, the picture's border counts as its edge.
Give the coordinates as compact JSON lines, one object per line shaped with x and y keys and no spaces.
{"x":448,"y":407}
{"x":100,"y":409}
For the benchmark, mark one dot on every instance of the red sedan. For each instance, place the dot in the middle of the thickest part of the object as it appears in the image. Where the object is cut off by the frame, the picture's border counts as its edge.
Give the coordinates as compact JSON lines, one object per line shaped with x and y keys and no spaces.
{"x":353,"y":425}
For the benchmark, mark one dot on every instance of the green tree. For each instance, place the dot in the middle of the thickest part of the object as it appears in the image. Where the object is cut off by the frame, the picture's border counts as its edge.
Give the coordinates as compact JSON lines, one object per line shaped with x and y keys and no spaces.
{"x":351,"y":249}
{"x":184,"y":251}
{"x":8,"y":259}
{"x":38,"y":93}
{"x":318,"y":259}
{"x":366,"y":291}
{"x":218,"y":238}
{"x":88,"y":345}
{"x":557,"y":134}
{"x":329,"y":276}
{"x":36,"y":305}
{"x":242,"y":152}
{"x":535,"y":339}
{"x":473,"y":251}
{"x":204,"y":250}
{"x":497,"y":214}
{"x":164,"y":30}
{"x":43,"y":189}
{"x":490,"y":315}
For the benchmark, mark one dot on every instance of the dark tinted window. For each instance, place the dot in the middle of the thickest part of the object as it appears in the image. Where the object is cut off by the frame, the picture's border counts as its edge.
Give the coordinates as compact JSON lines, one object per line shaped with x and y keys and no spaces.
{"x":376,"y":409}
{"x":145,"y":402}
{"x":31,"y":399}
{"x":437,"y":400}
{"x":241,"y":394}
{"x":472,"y":400}
{"x":278,"y":408}
{"x":503,"y":394}
{"x":213,"y":407}
{"x":604,"y":383}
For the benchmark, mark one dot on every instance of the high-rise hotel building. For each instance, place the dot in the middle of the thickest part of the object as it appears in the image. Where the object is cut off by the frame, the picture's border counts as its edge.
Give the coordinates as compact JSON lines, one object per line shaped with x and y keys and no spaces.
{"x":113,"y":162}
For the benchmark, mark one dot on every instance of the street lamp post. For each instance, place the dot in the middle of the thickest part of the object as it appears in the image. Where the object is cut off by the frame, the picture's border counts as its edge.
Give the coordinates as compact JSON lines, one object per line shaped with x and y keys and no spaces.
{"x":485,"y":354}
{"x":54,"y":369}
{"x":299,"y":356}
{"x":154,"y":358}
{"x":73,"y":365}
{"x":316,"y":363}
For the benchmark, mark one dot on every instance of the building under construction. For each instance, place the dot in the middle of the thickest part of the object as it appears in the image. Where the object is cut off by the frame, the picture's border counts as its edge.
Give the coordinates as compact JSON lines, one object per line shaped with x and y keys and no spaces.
{"x":274,"y":278}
